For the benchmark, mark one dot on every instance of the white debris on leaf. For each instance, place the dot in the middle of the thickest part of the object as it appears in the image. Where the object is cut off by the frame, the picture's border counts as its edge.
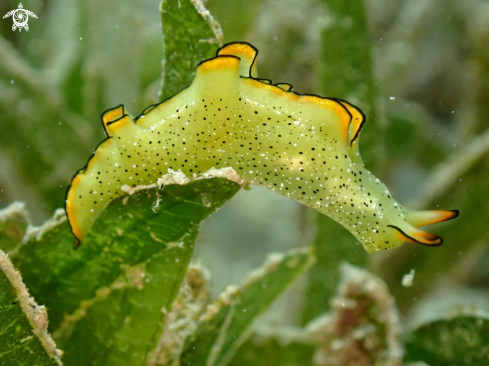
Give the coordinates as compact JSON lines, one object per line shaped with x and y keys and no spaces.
{"x":273,"y":260}
{"x":228,"y":173}
{"x":36,"y":314}
{"x":213,"y":24}
{"x":363,"y":328}
{"x":26,"y":339}
{"x":206,"y":200}
{"x":178,"y":177}
{"x":36,"y":232}
{"x":173,"y":177}
{"x":408,"y":278}
{"x":41,"y":318}
{"x":230,"y":293}
{"x":131,"y":190}
{"x":175,"y":244}
{"x":155,"y":238}
{"x":156,"y":204}
{"x":15,"y":209}
{"x":135,"y":275}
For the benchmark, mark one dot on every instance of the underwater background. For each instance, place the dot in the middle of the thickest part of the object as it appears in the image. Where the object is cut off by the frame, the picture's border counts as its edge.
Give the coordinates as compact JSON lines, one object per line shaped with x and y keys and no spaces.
{"x":418,"y":69}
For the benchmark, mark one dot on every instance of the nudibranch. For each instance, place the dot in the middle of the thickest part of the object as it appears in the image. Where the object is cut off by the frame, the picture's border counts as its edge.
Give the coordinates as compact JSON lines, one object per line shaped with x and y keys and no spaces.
{"x":302,"y":146}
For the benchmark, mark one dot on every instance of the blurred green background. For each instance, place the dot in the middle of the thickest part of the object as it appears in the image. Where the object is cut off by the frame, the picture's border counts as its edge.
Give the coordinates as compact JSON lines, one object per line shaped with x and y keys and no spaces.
{"x":419,"y":69}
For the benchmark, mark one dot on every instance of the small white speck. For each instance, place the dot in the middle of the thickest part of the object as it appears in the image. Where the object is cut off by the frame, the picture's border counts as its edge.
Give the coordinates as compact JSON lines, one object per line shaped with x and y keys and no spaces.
{"x":407,"y":279}
{"x":392,"y":98}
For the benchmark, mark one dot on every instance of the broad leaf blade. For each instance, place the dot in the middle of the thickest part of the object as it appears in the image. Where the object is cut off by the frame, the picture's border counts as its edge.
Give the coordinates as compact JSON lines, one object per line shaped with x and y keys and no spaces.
{"x":190,"y":35}
{"x":124,"y":326}
{"x":224,"y":327}
{"x":460,"y":341}
{"x":128,"y":238}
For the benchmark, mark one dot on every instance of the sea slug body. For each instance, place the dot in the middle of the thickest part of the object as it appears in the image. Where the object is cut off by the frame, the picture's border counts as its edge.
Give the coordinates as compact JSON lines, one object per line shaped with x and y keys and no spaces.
{"x":304,"y":147}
